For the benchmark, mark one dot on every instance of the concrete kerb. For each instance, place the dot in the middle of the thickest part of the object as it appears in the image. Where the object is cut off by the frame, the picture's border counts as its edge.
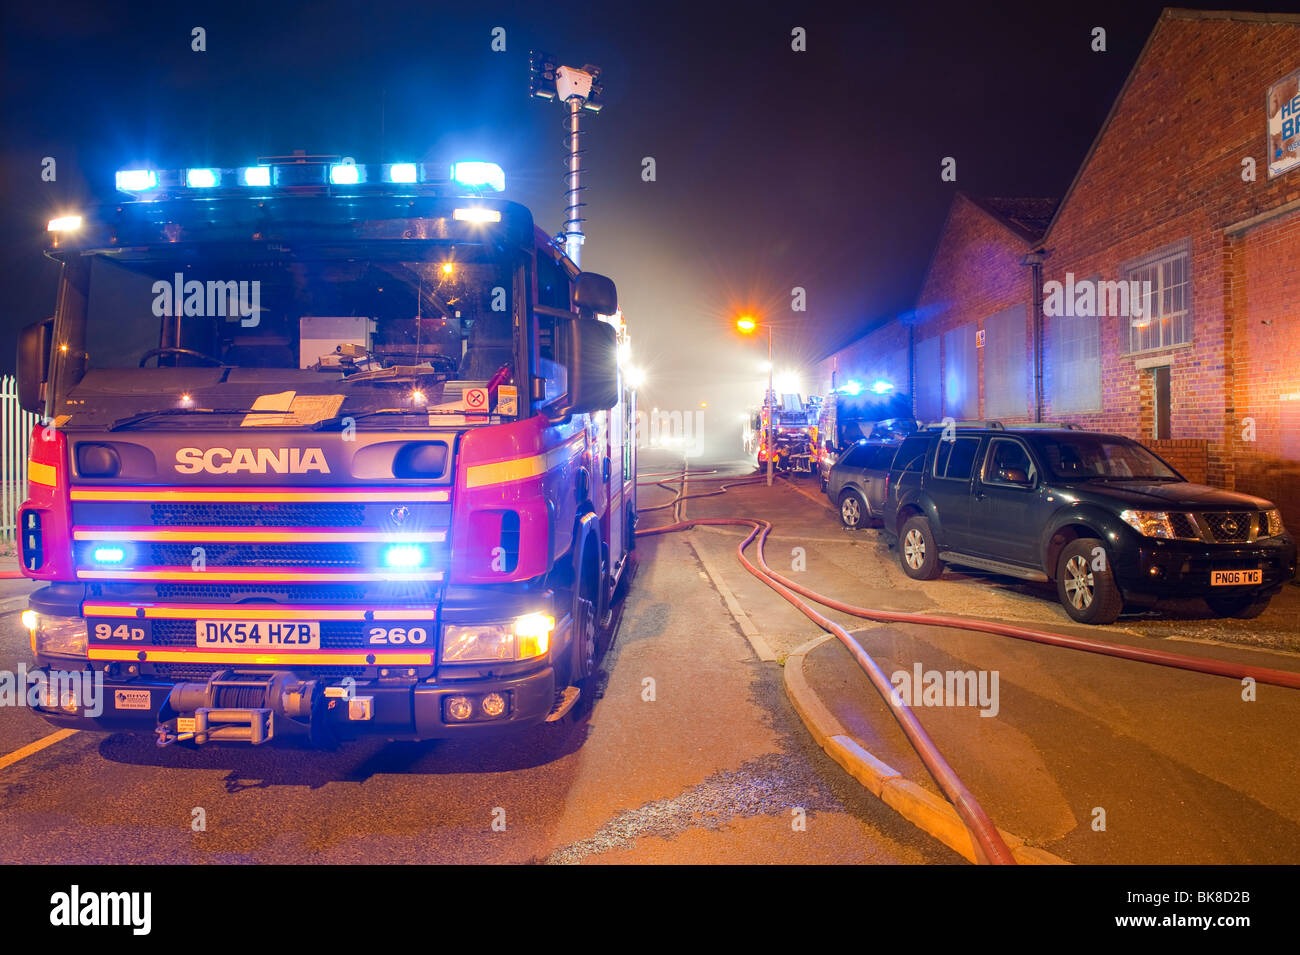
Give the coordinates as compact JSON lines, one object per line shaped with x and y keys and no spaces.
{"x":917,"y":805}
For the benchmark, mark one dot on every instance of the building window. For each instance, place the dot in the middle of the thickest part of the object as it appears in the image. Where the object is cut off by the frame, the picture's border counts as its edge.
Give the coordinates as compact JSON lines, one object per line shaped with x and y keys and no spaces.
{"x":960,"y":377}
{"x":1006,"y":364}
{"x":1166,"y":302}
{"x":1075,"y":363}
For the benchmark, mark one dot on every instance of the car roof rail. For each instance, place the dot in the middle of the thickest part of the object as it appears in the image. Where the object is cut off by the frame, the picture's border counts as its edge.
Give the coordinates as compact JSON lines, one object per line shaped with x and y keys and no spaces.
{"x":1048,"y":425}
{"x":966,"y":425}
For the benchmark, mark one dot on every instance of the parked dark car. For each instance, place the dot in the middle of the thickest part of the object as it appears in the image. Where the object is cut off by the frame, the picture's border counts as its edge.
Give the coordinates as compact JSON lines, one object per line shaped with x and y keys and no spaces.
{"x":858,"y":482}
{"x":1102,"y":516}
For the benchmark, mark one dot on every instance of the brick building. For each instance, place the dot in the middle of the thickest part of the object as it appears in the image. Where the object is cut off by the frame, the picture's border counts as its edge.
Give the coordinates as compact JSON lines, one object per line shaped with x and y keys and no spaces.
{"x":1189,"y":191}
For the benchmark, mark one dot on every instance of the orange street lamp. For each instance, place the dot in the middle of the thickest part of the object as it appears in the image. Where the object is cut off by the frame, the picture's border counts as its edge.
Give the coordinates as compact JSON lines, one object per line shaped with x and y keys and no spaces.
{"x":747,"y":325}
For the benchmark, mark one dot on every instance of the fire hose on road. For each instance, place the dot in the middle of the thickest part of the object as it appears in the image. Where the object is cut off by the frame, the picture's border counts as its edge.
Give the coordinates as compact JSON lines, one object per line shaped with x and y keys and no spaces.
{"x":989,"y":845}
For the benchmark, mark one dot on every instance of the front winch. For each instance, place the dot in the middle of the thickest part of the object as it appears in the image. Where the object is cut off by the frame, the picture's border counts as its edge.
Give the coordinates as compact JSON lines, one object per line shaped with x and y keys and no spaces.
{"x":239,"y":707}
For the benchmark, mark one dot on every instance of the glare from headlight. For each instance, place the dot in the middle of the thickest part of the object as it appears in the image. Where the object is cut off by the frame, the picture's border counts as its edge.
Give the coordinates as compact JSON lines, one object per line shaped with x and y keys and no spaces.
{"x":525,"y":637}
{"x":59,"y":636}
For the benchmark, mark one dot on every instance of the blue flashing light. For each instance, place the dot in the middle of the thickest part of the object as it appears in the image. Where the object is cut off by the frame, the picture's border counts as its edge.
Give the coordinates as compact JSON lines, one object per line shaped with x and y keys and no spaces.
{"x":109,"y":555}
{"x":202,"y":178}
{"x":344,"y":174}
{"x":881,"y":387}
{"x":255,"y":175}
{"x":852,"y":388}
{"x":136,"y":180}
{"x":402,"y":172}
{"x":403,"y":556}
{"x":479,"y":174}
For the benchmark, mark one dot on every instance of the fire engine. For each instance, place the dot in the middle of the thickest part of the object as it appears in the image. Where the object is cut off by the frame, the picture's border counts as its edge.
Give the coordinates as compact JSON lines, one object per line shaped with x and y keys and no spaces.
{"x":327,"y":450}
{"x":791,"y":424}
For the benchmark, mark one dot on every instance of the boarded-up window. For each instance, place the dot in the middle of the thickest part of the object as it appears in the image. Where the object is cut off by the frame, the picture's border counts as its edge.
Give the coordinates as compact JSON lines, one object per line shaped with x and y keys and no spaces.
{"x":1006,"y":364}
{"x":1075,"y":364}
{"x":960,"y":376}
{"x":929,"y":377}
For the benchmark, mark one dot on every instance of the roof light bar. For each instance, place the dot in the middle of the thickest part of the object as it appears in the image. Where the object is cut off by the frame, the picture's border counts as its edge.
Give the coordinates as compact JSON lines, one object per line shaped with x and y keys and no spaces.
{"x":403,"y":172}
{"x":475,"y":173}
{"x":202,"y":178}
{"x":136,"y":180}
{"x":255,"y":175}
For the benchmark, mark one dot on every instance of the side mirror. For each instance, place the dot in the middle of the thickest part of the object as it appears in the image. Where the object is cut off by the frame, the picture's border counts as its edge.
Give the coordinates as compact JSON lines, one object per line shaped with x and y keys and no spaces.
{"x":596,"y":294}
{"x":33,"y":360}
{"x":588,"y":349}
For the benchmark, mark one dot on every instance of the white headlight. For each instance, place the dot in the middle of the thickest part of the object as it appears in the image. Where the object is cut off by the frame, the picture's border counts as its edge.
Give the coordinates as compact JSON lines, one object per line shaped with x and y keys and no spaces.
{"x":59,"y":636}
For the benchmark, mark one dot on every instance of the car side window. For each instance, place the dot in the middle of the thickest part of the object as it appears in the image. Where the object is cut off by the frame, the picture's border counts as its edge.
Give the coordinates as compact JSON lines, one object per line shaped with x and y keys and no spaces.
{"x":911,"y":454}
{"x":856,"y":457}
{"x":955,"y":460}
{"x":1008,"y":463}
{"x":883,"y":457}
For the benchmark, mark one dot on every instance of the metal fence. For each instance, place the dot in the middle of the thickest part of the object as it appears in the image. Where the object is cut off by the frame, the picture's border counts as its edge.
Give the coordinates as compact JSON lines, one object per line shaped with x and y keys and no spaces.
{"x":15,"y":436}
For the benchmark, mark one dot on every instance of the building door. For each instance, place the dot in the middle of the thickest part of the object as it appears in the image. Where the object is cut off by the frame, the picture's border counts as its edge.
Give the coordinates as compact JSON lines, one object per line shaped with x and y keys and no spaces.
{"x":1160,"y":376}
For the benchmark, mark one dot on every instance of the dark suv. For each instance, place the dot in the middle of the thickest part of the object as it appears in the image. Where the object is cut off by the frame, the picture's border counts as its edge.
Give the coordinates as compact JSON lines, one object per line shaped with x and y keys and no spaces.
{"x":1099,"y":514}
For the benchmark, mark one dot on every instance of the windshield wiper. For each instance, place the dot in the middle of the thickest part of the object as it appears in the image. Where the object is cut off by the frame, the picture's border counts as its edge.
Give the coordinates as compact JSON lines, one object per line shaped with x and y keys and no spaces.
{"x":129,"y":420}
{"x":338,"y":418}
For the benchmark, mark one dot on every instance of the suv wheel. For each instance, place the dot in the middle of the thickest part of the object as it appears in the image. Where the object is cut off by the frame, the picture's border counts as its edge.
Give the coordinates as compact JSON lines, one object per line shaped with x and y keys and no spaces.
{"x":917,"y":550}
{"x":1242,"y":606}
{"x":854,"y":512}
{"x":1087,"y":594}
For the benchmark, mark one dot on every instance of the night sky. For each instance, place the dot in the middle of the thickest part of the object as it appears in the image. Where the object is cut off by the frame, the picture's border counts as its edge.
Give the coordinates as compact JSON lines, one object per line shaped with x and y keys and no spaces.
{"x":774,"y":168}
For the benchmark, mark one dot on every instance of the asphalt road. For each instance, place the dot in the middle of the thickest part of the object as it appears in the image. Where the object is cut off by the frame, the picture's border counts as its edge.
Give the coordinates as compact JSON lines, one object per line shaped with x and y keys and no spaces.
{"x":1093,"y":758}
{"x":717,"y":768}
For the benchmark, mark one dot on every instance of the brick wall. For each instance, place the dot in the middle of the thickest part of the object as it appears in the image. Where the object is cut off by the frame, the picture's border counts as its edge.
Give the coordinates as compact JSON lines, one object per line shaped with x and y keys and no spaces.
{"x":1167,"y":170}
{"x":975,"y":273}
{"x":1187,"y":456}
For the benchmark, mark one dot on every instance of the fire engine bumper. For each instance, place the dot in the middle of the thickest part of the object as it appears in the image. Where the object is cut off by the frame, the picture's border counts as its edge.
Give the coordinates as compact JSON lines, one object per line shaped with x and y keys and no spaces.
{"x":244,"y":707}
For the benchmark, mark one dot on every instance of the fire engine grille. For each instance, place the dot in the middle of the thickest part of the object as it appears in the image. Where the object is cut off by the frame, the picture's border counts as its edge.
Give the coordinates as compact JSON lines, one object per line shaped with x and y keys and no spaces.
{"x":260,"y":555}
{"x":334,"y":634}
{"x":1230,"y":527}
{"x":258,"y":515}
{"x":201,"y":672}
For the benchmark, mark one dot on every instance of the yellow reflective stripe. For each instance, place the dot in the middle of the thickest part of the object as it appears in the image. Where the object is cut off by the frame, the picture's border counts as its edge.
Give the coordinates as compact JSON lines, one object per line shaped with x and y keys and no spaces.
{"x":245,"y":612}
{"x":255,"y":576}
{"x":519,"y":469}
{"x":396,"y":495}
{"x":42,"y":473}
{"x":291,"y":658}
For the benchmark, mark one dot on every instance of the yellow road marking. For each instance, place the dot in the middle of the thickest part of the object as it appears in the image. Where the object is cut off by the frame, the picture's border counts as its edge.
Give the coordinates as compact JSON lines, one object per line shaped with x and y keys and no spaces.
{"x":32,"y":748}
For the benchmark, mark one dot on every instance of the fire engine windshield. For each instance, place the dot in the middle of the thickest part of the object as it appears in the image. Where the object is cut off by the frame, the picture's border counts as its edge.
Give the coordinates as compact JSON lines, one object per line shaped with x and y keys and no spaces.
{"x":357,"y":317}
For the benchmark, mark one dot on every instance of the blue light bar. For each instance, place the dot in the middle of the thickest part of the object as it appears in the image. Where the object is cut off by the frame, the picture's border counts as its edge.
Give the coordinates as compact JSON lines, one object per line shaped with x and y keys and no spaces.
{"x":256,"y":176}
{"x":852,"y":388}
{"x":202,"y":178}
{"x":402,"y":172}
{"x":109,"y":555}
{"x":881,"y":387}
{"x":479,"y":174}
{"x":344,"y":174}
{"x":136,"y":180}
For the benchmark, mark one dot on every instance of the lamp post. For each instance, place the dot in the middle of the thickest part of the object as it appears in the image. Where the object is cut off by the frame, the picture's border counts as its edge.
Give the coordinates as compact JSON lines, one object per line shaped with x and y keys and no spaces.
{"x":746,"y":324}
